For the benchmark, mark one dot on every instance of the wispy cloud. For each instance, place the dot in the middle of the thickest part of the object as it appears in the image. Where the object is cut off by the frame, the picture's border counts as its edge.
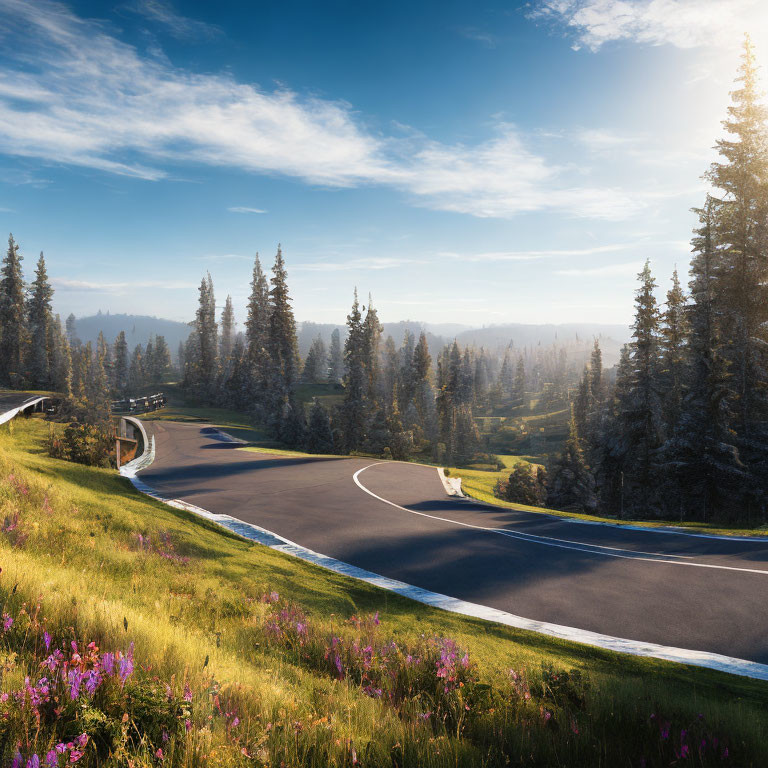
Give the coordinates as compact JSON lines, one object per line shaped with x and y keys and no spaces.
{"x":536,"y":255}
{"x":630,"y":268}
{"x":372,"y":263}
{"x":485,"y":38}
{"x":75,"y":94}
{"x":245,"y":209}
{"x":181,"y":27}
{"x":92,"y":286}
{"x":682,"y":23}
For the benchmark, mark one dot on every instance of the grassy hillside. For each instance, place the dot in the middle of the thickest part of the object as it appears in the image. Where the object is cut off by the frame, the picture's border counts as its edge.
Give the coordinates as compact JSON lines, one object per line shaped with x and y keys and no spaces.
{"x":228,"y":653}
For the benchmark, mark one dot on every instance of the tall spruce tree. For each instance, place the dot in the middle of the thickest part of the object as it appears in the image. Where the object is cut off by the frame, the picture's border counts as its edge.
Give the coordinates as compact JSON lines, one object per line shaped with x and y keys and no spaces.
{"x":282,"y":343}
{"x":205,"y":366}
{"x":13,"y":331}
{"x":257,"y":336}
{"x":371,"y":338}
{"x":571,"y":486}
{"x":61,"y":372}
{"x":741,"y":176}
{"x":121,"y":363}
{"x":641,"y":413}
{"x":673,"y":343}
{"x":319,"y":433}
{"x":355,"y":408}
{"x":701,"y":452}
{"x":72,"y":330}
{"x":316,"y":365}
{"x":41,"y":327}
{"x":227,"y":332}
{"x":335,"y":359}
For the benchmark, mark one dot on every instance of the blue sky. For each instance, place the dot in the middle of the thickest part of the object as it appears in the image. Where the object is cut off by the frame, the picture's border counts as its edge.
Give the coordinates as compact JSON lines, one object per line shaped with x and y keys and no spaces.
{"x":467,"y":162}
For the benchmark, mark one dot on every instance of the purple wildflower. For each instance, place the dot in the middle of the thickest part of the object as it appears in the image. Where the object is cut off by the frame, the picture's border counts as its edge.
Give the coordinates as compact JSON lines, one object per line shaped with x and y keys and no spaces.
{"x":75,"y":678}
{"x":92,"y":681}
{"x":47,"y":641}
{"x":187,"y":692}
{"x":108,"y":663}
{"x":33,"y":762}
{"x":51,"y":759}
{"x":7,"y":622}
{"x":337,"y":661}
{"x":17,"y":760}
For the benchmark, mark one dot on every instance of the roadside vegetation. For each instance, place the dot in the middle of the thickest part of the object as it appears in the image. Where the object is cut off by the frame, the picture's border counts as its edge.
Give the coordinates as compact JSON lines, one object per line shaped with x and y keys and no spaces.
{"x":136,"y":634}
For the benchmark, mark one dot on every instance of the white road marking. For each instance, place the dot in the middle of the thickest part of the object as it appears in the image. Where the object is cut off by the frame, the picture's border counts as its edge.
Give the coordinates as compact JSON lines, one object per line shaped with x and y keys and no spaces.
{"x":594,"y":549}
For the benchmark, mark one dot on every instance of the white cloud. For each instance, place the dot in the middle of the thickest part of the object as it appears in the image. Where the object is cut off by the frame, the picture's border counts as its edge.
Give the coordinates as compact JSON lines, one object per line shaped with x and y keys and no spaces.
{"x":91,"y":286}
{"x":181,"y":27}
{"x":372,"y":263}
{"x":682,"y":23}
{"x":486,"y":39}
{"x":537,"y":255}
{"x":245,"y":209}
{"x":631,"y":268}
{"x":77,"y":95}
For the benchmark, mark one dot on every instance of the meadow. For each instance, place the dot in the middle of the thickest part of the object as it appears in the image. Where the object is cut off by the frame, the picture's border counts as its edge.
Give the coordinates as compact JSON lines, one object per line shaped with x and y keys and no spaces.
{"x":136,"y":634}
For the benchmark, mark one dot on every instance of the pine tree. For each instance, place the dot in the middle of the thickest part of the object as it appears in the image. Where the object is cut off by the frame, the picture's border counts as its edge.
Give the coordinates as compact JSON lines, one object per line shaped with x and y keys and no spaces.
{"x":160,"y":364}
{"x":355,"y":408}
{"x":136,"y":375}
{"x":571,"y":486}
{"x":335,"y":359}
{"x":390,"y":377}
{"x":282,"y":343}
{"x":371,"y":338}
{"x":13,"y":337}
{"x":674,"y":333}
{"x":72,"y":330}
{"x":399,"y":440}
{"x":61,"y":371}
{"x":204,"y":374}
{"x":520,"y":382}
{"x":405,"y":381}
{"x":319,"y":433}
{"x":180,"y":358}
{"x":701,"y":452}
{"x":641,"y":418}
{"x":506,"y":375}
{"x":739,"y":226}
{"x":41,"y":327}
{"x":121,"y":363}
{"x":257,"y":339}
{"x":582,"y":404}
{"x":422,"y":377}
{"x":596,"y":383}
{"x":227,"y":332}
{"x":315,"y":366}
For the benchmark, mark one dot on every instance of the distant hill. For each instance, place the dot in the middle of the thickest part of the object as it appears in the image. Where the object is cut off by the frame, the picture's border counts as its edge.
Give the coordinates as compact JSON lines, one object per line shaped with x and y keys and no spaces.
{"x":138,"y":329}
{"x":612,"y":337}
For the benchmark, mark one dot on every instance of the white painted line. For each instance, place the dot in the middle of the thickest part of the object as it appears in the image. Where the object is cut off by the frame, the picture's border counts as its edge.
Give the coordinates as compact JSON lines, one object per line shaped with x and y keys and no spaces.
{"x":594,"y":549}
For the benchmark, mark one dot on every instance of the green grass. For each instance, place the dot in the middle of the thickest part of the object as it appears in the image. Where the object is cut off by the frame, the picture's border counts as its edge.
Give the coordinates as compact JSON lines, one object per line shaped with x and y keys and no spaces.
{"x":82,"y":564}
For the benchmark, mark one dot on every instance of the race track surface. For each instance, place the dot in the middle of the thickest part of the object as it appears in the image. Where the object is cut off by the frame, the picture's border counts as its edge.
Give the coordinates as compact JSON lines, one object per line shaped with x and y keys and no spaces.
{"x":683,"y":591}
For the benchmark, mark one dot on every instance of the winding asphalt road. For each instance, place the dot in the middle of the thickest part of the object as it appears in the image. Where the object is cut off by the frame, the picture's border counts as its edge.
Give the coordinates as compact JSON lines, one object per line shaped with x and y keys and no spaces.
{"x":704,"y":594}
